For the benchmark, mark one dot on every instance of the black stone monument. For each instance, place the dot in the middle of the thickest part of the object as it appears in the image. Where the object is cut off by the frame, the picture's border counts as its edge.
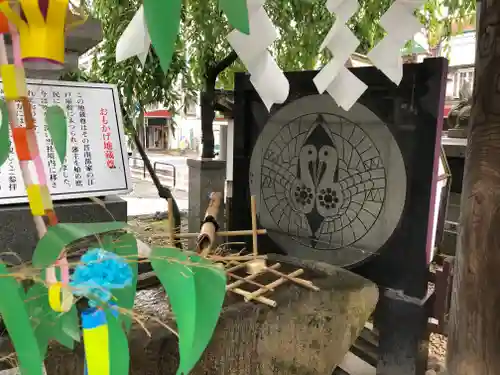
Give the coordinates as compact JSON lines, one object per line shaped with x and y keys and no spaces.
{"x":352,"y":188}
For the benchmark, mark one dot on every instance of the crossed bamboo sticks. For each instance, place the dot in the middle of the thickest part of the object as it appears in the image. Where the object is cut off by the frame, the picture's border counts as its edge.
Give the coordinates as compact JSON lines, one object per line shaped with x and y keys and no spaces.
{"x":255,"y":264}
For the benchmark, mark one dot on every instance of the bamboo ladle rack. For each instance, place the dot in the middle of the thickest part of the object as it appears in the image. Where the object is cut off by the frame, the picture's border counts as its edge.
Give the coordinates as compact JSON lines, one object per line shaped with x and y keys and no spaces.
{"x":255,"y":264}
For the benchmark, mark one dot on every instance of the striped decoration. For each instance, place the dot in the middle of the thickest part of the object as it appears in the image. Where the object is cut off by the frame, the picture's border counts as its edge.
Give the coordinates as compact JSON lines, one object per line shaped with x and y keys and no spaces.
{"x":26,"y":146}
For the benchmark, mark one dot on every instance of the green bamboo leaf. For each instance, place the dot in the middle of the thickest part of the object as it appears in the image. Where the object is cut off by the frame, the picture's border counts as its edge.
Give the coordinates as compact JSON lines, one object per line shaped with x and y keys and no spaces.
{"x":236,"y":12}
{"x":48,"y":324}
{"x":57,"y":126}
{"x":4,"y":133}
{"x":17,"y":322}
{"x":125,"y":246}
{"x":196,"y":294}
{"x":59,"y":236}
{"x":119,"y":354}
{"x":163,"y":20}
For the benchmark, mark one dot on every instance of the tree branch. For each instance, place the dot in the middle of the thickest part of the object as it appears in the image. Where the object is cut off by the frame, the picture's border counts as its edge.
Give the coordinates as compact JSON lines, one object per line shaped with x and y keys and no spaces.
{"x":163,"y":191}
{"x":207,"y":100}
{"x":218,"y":68}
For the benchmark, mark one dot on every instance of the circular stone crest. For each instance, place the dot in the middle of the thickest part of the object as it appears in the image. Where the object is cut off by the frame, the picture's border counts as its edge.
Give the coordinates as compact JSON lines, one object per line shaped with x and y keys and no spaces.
{"x":330,"y":184}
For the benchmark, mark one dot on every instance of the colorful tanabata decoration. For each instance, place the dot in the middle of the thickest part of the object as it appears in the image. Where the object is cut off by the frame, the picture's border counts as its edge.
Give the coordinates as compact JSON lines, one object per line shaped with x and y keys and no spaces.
{"x":41,"y":26}
{"x":98,"y":273}
{"x":4,"y":24}
{"x":148,"y":27}
{"x":107,"y":277}
{"x":254,"y":33}
{"x":267,"y":78}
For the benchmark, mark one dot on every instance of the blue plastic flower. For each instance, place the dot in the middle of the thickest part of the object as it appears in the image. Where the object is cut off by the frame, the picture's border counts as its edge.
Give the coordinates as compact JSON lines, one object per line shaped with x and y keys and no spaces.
{"x":98,"y":273}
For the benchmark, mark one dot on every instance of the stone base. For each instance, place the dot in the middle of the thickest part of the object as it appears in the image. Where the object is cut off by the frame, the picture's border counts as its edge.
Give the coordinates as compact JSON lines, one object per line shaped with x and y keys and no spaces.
{"x":457,"y":133}
{"x":205,"y":176}
{"x":18,"y":232}
{"x":307,"y":333}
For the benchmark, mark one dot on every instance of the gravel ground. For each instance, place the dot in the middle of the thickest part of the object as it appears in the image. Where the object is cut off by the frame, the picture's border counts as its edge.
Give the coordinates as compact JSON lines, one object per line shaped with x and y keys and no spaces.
{"x":154,"y":232}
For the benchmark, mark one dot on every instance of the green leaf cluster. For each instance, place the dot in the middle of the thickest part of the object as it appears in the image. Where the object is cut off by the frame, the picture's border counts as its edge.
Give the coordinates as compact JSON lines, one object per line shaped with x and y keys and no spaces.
{"x":196,"y":289}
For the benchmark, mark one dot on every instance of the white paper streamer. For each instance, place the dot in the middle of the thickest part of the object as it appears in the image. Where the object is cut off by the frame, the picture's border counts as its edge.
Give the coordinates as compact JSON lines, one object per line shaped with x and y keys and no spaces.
{"x":135,"y":40}
{"x":401,"y":25}
{"x":343,"y":86}
{"x":267,"y":78}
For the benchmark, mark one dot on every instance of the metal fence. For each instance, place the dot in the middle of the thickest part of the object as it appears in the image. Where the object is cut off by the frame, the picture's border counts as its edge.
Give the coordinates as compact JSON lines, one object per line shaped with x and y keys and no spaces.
{"x":162,"y":169}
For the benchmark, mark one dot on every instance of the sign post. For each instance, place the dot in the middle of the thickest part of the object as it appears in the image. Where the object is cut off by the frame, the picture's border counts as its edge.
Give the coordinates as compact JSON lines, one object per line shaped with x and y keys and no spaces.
{"x":96,"y":163}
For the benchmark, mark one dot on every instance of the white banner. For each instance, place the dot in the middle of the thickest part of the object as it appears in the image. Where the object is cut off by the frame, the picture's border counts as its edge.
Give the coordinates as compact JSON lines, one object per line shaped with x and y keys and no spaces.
{"x":96,"y":159}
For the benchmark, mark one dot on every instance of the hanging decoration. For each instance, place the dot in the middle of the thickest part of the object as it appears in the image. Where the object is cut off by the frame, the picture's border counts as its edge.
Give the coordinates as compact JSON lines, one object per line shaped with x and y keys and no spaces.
{"x":236,"y":12}
{"x":343,"y":86}
{"x":268,"y":79}
{"x":4,"y":24}
{"x":41,"y":26}
{"x":148,"y":26}
{"x":135,"y":40}
{"x":98,"y":273}
{"x":401,"y":25}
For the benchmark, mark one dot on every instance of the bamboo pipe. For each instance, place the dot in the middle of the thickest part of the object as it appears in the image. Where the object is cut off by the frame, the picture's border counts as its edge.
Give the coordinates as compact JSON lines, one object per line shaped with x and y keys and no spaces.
{"x":207,"y":232}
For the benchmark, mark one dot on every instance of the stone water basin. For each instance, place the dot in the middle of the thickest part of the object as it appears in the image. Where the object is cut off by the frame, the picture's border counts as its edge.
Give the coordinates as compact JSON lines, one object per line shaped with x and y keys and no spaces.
{"x":307,"y":333}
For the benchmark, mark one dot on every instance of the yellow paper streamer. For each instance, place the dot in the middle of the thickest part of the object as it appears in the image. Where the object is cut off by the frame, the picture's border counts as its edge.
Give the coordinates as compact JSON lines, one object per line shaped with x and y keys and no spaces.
{"x":14,"y":81}
{"x":96,"y":341}
{"x":60,"y":298}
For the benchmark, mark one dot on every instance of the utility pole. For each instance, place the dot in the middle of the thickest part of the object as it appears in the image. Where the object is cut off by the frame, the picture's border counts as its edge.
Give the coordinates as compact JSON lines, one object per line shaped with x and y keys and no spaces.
{"x":474,"y":326}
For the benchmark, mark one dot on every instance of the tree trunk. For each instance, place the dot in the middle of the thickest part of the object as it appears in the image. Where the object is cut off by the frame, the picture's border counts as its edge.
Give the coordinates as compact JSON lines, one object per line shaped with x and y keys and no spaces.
{"x":207,"y":101}
{"x":163,"y":191}
{"x":474,"y":330}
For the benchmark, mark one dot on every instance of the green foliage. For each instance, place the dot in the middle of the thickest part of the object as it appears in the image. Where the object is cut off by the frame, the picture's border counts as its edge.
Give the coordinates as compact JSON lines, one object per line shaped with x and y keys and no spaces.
{"x":196,"y":290}
{"x":57,"y":126}
{"x":17,"y":321}
{"x":201,"y":43}
{"x":137,"y":85}
{"x":48,"y":324}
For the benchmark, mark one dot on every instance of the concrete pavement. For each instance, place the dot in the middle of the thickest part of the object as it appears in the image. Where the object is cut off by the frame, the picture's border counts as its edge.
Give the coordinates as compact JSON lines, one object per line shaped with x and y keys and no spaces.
{"x":144,"y":200}
{"x":167,"y":167}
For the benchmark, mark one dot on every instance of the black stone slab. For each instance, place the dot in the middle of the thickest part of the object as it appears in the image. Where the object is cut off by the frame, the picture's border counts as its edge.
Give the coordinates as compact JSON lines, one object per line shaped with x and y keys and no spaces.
{"x":17,"y":229}
{"x":413,"y":113}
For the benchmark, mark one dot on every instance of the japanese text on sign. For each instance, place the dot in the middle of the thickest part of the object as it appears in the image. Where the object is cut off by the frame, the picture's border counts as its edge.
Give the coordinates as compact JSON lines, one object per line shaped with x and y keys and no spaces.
{"x":96,"y":159}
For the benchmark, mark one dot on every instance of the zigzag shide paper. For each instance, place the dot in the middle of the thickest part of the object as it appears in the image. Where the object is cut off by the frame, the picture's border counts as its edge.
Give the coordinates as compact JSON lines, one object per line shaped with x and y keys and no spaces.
{"x":343,"y":86}
{"x":267,"y":78}
{"x":401,"y":25}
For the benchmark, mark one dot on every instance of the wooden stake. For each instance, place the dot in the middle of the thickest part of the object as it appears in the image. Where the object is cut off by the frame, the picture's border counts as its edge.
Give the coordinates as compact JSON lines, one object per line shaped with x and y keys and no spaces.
{"x":257,"y":265}
{"x":254,"y":226}
{"x":170,"y":222}
{"x":273,"y":285}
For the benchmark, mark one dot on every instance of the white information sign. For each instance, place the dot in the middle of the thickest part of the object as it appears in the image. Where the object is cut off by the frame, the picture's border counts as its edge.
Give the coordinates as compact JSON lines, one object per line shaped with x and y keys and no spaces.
{"x":96,"y":158}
